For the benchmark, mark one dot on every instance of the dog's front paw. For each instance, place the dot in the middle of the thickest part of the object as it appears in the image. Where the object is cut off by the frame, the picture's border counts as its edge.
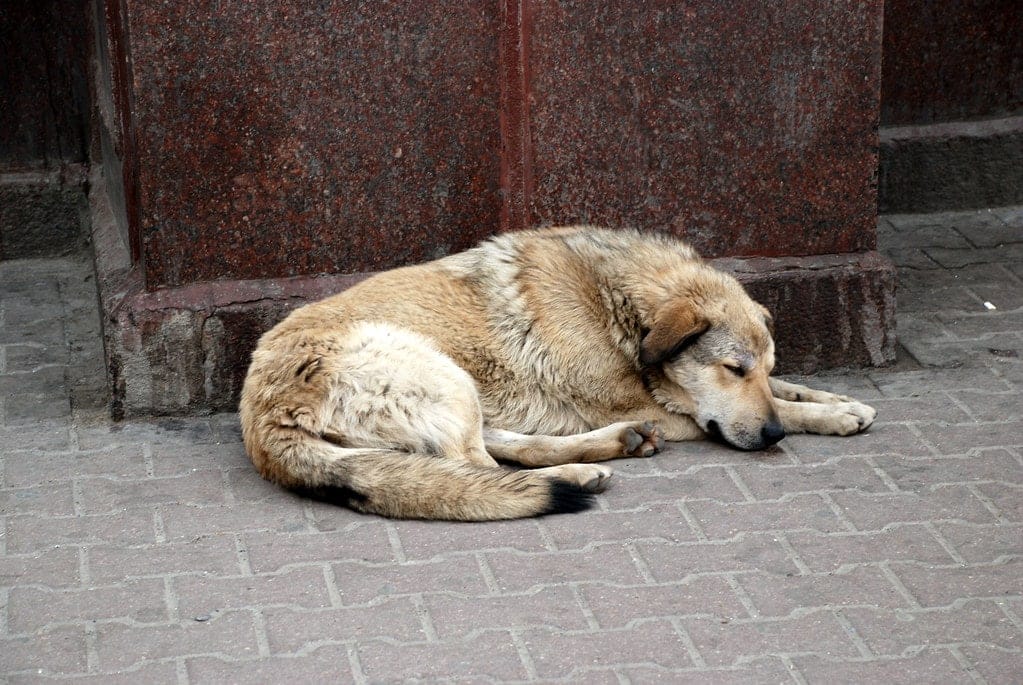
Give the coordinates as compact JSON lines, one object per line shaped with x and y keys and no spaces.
{"x":850,"y":418}
{"x":642,"y":440}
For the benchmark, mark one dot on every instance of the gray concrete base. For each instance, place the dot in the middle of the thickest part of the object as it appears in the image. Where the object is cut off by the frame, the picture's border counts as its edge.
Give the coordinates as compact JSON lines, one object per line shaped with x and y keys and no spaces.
{"x":43,"y":213}
{"x":956,"y":165}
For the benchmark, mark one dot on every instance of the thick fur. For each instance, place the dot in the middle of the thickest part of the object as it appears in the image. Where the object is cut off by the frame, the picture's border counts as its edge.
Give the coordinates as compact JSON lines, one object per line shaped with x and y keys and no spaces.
{"x":545,"y":348}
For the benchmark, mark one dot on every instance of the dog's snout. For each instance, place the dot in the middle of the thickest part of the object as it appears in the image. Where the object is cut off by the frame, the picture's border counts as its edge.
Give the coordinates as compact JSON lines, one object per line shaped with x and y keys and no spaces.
{"x":772,"y":432}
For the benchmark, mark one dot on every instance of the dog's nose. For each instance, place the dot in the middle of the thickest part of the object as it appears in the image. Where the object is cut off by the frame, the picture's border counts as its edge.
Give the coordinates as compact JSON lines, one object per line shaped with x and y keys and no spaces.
{"x":771,"y":433}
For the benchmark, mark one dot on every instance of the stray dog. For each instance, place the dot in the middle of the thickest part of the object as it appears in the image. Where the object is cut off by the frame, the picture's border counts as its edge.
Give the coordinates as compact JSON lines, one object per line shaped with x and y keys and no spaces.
{"x":552,"y":348}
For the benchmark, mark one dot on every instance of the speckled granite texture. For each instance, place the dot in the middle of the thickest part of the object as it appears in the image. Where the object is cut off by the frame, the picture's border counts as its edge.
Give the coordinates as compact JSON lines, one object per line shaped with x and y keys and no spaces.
{"x":280,"y":139}
{"x":747,"y":127}
{"x":951,"y":61}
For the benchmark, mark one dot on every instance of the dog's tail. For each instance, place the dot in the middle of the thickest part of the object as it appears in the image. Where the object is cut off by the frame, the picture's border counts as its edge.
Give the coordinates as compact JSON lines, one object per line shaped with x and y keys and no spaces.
{"x":406,"y":485}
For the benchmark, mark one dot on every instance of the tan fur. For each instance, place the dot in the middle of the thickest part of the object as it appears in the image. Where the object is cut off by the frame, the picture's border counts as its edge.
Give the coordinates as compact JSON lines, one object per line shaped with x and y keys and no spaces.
{"x":544,"y":348}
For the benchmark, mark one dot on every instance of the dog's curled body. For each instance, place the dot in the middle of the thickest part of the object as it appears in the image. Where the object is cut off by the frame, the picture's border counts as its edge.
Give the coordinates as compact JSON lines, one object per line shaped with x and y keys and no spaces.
{"x":395,"y":396}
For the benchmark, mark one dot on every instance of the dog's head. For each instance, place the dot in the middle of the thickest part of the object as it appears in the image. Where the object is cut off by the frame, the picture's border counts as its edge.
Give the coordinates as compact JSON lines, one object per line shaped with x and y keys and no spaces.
{"x":711,"y":351}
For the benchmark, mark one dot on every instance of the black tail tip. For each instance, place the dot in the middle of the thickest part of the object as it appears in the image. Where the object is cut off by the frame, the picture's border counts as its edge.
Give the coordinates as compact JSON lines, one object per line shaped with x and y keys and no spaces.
{"x":568,"y":498}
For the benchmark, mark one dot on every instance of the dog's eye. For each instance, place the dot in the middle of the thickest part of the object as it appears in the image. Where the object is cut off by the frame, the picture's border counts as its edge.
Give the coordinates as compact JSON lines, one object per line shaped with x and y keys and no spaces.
{"x":737,"y":370}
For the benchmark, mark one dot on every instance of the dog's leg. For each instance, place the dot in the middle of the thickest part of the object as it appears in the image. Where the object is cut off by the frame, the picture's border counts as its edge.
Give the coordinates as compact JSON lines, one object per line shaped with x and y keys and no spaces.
{"x":623,"y":439}
{"x":794,"y":392}
{"x":805,"y":410}
{"x":833,"y":418}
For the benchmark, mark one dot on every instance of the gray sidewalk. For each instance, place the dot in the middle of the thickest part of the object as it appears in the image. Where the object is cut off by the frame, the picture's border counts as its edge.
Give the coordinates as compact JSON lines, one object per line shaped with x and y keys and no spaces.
{"x":151,"y":552}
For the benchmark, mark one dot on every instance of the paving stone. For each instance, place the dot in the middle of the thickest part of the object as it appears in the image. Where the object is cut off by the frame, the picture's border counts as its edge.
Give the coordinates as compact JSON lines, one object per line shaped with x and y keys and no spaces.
{"x":1007,"y":498}
{"x":208,"y":555}
{"x":983,"y":543}
{"x":627,"y":494}
{"x":491,"y":655}
{"x":883,"y":438}
{"x":831,"y":552}
{"x":199,"y":595}
{"x":982,"y":466}
{"x":49,"y":499}
{"x":774,"y":595}
{"x":558,"y":655}
{"x":30,"y":533}
{"x":165,"y":672}
{"x":359,"y":583}
{"x":427,"y":539}
{"x":517,"y":572}
{"x":994,"y":665}
{"x":272,"y":551}
{"x":656,"y":521}
{"x":869,"y":511}
{"x":49,"y":652}
{"x":727,"y":643}
{"x":616,"y":606}
{"x":767,"y":671}
{"x":747,"y":552}
{"x":773,"y":482}
{"x":24,"y":468}
{"x":328,"y":664}
{"x":109,"y":494}
{"x":177,"y":460}
{"x":230,"y":635}
{"x":796,"y":512}
{"x":891,"y":633}
{"x":937,"y":586}
{"x":293,"y":630}
{"x":31,"y":608}
{"x":457,"y":616}
{"x":932,"y":666}
{"x":185,"y":522}
{"x":54,"y":568}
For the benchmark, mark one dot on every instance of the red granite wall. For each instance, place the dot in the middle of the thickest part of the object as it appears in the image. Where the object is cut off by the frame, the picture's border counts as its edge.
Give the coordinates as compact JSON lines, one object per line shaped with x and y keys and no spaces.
{"x":282,"y":139}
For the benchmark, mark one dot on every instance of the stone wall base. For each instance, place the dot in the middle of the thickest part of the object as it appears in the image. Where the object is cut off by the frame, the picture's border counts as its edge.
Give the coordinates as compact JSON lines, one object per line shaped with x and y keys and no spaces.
{"x":949,"y":166}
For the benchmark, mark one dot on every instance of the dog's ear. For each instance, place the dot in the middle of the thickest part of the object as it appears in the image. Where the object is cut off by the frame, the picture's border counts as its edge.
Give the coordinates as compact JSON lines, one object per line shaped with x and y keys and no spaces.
{"x":768,"y":319}
{"x":676,"y":326}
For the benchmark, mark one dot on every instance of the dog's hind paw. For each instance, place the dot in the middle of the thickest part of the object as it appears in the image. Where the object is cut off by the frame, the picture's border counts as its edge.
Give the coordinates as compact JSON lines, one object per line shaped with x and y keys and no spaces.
{"x":642,"y":440}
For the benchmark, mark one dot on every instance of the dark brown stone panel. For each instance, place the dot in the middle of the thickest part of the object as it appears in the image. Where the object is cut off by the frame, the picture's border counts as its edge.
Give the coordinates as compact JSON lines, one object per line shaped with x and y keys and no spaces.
{"x":948,"y":61}
{"x":280,"y":139}
{"x":746,"y":127}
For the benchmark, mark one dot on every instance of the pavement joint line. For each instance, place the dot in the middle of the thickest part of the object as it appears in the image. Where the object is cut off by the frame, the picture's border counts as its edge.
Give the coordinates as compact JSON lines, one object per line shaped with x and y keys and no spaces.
{"x":487,"y":573}
{"x":584,"y":607}
{"x":1011,"y":615}
{"x":524,"y":656}
{"x":793,"y":671}
{"x":793,"y":555}
{"x":743,"y":597}
{"x":987,"y":502}
{"x":159,"y":527}
{"x":694,"y":524}
{"x":691,"y":649}
{"x":837,"y":510}
{"x":355,"y":664}
{"x":333,"y":593}
{"x":967,"y":665}
{"x":899,"y":586}
{"x":855,"y":637}
{"x":84,"y":567}
{"x":171,"y":600}
{"x":395,"y":541}
{"x":888,"y":481}
{"x":641,"y":566}
{"x":739,"y":484}
{"x":242,"y":558}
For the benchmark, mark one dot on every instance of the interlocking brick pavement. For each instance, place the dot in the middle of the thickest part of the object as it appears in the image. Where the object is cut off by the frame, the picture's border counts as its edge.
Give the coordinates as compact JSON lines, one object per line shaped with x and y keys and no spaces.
{"x":151,"y":551}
